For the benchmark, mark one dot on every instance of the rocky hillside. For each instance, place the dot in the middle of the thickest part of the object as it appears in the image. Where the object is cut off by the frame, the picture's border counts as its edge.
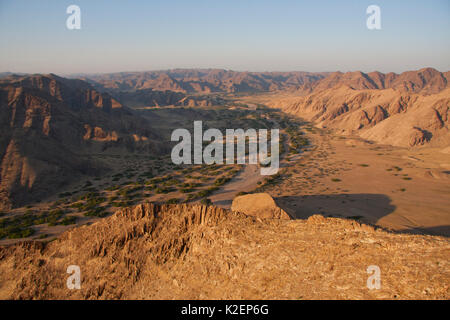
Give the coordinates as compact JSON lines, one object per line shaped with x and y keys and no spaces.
{"x":387,"y":116}
{"x":198,"y":252}
{"x":425,"y":81}
{"x":154,"y":98}
{"x":48,"y":127}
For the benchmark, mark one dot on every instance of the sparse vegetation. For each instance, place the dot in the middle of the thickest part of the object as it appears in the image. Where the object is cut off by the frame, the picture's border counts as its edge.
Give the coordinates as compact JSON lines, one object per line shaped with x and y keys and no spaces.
{"x":20,"y":226}
{"x":206,"y":201}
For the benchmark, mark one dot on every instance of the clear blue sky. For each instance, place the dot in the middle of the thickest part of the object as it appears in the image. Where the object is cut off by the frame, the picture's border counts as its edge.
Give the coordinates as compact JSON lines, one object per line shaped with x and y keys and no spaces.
{"x":254,"y":35}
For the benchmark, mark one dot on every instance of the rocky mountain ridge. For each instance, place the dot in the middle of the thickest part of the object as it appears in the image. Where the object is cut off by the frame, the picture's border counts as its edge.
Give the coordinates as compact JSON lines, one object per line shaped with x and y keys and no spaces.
{"x":426,"y":81}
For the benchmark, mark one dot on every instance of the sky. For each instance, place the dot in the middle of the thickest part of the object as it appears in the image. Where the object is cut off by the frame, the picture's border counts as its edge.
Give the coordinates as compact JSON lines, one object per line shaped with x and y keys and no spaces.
{"x":241,"y":35}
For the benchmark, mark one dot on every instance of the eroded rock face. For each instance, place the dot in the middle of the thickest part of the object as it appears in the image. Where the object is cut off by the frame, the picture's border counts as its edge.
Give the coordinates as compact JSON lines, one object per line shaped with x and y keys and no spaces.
{"x":199,"y":252}
{"x":47,"y":126}
{"x":260,"y":205}
{"x":418,"y":137}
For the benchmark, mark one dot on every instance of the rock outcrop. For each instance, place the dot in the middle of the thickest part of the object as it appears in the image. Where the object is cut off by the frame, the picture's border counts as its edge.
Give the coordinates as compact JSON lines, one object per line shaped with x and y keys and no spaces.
{"x":198,"y":252}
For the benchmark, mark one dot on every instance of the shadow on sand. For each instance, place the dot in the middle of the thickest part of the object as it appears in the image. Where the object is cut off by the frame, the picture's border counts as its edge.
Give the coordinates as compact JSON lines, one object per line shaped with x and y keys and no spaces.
{"x":223,"y":203}
{"x":434,"y":231}
{"x":365,"y":208}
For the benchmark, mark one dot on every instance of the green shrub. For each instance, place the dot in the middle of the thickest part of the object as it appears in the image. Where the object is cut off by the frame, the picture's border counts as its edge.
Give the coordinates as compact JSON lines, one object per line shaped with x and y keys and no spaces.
{"x":163,"y":190}
{"x":97,"y":212}
{"x":172,"y":201}
{"x":221,"y":181}
{"x":206,"y":201}
{"x":20,"y":233}
{"x":68,"y":220}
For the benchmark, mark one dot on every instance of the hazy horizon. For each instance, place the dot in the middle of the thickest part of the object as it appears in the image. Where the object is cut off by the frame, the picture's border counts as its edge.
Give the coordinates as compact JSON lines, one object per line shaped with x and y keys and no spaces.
{"x":254,"y":36}
{"x":75,"y":74}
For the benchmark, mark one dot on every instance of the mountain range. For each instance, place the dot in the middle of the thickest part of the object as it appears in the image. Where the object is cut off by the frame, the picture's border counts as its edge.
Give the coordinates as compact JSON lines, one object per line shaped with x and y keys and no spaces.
{"x":427,"y":81}
{"x":196,"y":87}
{"x":49,"y":125}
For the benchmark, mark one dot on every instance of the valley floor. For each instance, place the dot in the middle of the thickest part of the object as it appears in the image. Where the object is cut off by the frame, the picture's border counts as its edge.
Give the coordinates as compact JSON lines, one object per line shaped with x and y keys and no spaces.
{"x":336,"y":176}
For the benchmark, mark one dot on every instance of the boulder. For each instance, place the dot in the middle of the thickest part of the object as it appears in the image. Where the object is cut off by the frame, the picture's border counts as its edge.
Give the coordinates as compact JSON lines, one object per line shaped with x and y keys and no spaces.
{"x":260,"y":205}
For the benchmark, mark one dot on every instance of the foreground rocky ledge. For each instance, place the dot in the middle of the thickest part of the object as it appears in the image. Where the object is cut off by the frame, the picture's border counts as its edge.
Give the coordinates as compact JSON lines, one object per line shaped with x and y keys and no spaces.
{"x":198,"y":252}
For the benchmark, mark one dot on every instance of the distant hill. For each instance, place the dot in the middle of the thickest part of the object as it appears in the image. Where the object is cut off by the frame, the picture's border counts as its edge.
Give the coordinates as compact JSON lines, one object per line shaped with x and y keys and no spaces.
{"x":151,"y":98}
{"x":205,"y":80}
{"x":9,"y":74}
{"x":427,"y":81}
